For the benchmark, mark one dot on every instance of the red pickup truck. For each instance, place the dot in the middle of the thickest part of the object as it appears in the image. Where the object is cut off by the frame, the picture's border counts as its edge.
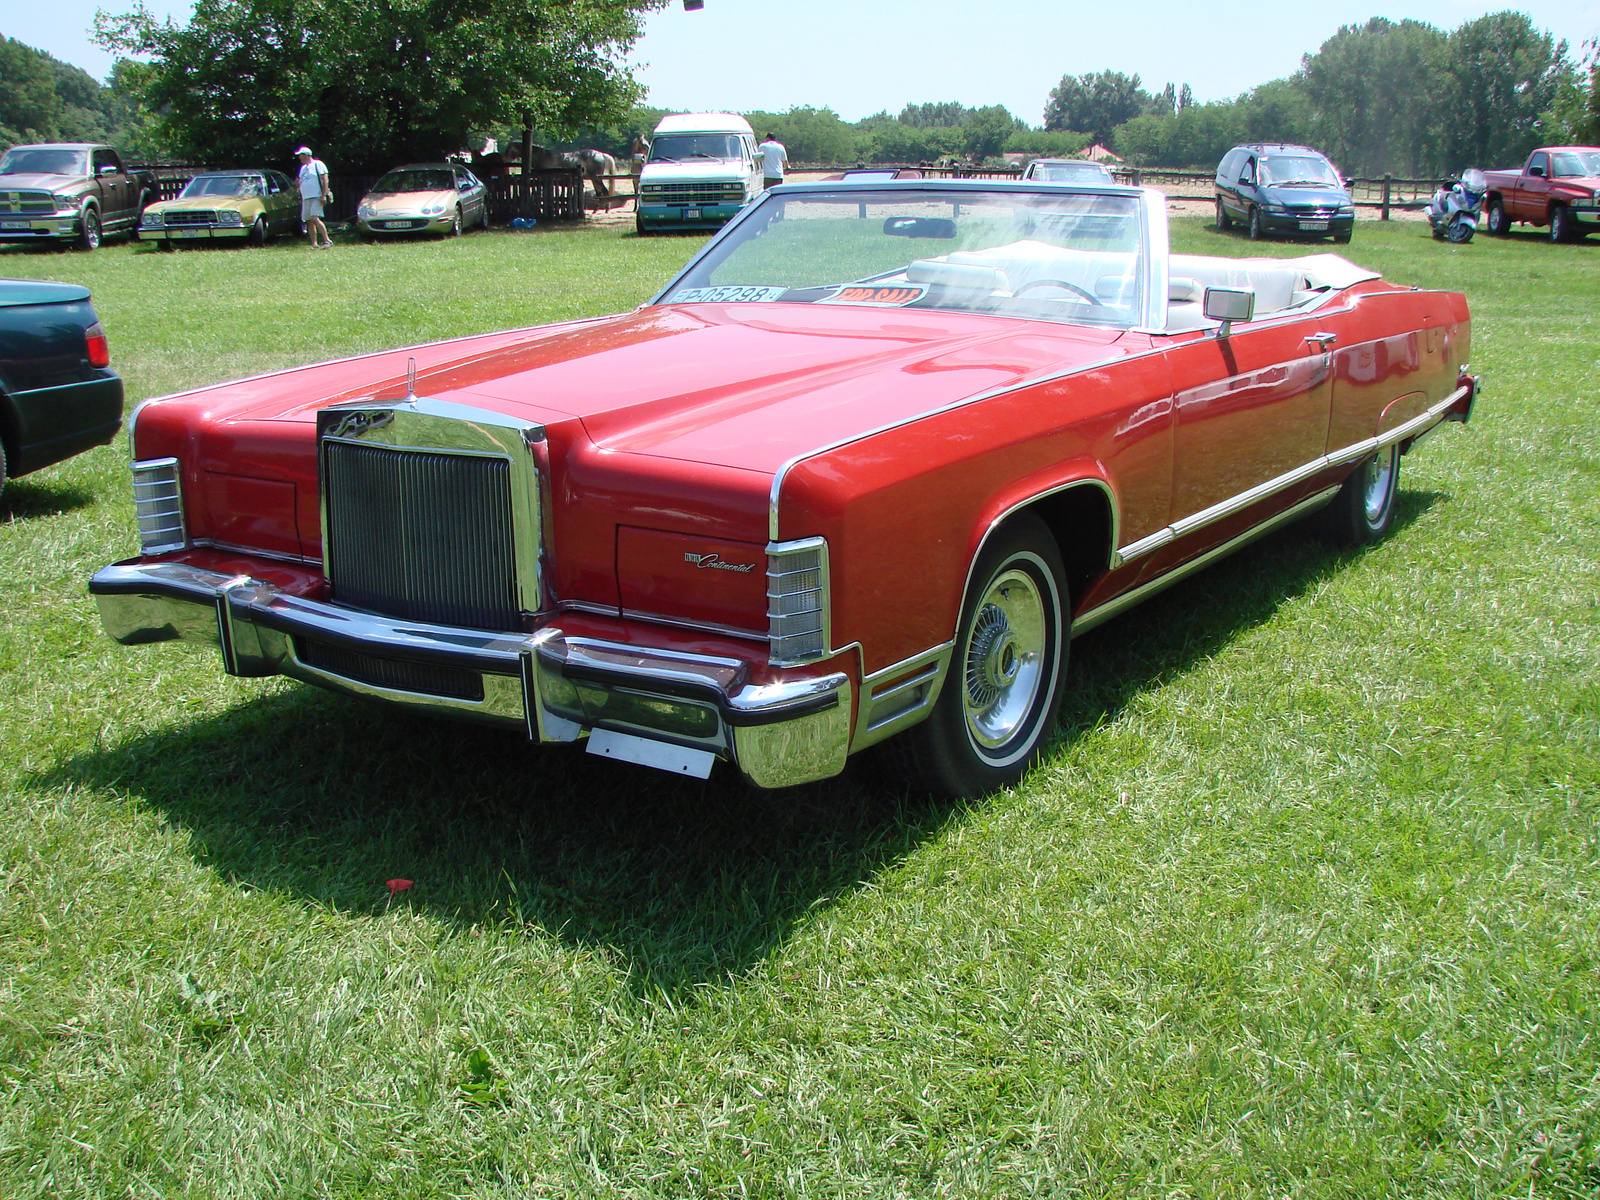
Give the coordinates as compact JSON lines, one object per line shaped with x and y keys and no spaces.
{"x":1559,"y":187}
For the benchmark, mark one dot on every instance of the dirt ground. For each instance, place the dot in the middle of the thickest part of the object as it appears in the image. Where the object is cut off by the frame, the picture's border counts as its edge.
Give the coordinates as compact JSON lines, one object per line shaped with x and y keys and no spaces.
{"x":619,"y":210}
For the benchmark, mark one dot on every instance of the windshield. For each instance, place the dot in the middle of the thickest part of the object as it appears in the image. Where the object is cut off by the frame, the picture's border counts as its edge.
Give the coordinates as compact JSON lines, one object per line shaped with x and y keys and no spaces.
{"x":1286,"y":171}
{"x":1067,"y":257}
{"x":415,"y":181}
{"x":1068,"y":172}
{"x":675,"y":147}
{"x":1576,"y":164}
{"x":221,"y":185}
{"x":26,"y":160}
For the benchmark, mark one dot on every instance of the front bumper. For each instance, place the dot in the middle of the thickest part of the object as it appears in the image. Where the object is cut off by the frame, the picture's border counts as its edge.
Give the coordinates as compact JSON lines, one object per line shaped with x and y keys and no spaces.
{"x":385,"y":225}
{"x":198,"y":233}
{"x":1294,"y":224}
{"x":692,"y":708}
{"x":655,"y":215}
{"x":38,"y":228}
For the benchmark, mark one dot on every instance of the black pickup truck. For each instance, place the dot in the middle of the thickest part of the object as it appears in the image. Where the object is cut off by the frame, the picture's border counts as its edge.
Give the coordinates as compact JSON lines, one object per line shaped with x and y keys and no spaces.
{"x":58,"y":393}
{"x":73,"y":192}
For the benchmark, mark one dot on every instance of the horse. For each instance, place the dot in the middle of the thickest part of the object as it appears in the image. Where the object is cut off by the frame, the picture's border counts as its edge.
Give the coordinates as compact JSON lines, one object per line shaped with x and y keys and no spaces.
{"x":595,"y":166}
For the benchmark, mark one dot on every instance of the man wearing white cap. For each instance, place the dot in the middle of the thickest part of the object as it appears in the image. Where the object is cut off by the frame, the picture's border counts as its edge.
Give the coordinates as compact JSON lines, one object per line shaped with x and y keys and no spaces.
{"x":314,"y":190}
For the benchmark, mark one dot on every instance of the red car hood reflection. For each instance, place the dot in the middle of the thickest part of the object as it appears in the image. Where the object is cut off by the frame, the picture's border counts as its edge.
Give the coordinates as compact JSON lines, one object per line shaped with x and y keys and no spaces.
{"x":740,"y":385}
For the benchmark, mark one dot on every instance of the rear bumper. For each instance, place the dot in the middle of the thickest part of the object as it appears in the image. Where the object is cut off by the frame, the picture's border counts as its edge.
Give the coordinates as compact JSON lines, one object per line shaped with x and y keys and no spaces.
{"x":57,"y":422}
{"x":554,"y":687}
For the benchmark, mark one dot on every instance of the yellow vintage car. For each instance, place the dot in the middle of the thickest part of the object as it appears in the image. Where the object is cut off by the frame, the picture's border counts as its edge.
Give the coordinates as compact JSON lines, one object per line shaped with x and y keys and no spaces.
{"x":424,"y":198}
{"x":230,"y":205}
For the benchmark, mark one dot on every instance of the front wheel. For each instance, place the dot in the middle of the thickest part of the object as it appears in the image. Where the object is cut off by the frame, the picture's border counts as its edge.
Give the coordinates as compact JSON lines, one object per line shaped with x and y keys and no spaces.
{"x":1003,"y":688}
{"x":1495,"y":218}
{"x":1560,"y":224}
{"x":258,"y":232}
{"x":1460,"y":231}
{"x":1363,"y":510}
{"x":1223,"y":220}
{"x":1255,"y":224}
{"x":89,"y":234}
{"x":455,"y":223}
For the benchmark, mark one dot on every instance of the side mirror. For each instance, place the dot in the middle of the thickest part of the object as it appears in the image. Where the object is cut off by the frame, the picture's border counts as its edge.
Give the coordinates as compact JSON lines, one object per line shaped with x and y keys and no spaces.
{"x":108,"y":169}
{"x":1536,"y":172}
{"x":1229,"y":305}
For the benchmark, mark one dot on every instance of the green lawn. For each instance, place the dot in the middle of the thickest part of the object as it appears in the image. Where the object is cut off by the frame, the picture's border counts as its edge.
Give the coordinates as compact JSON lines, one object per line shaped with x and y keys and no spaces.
{"x":1304,"y":902}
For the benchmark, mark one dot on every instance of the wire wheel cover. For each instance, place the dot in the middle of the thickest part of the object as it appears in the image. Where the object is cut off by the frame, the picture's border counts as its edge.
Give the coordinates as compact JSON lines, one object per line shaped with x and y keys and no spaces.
{"x":1005,"y":667}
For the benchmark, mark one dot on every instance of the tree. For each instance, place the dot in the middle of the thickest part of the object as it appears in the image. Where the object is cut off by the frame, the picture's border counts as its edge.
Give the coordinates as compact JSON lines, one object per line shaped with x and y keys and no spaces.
{"x":1097,"y":103}
{"x":30,"y":108}
{"x":370,"y":84}
{"x":1506,"y":73}
{"x":810,"y":135}
{"x":1574,"y":117}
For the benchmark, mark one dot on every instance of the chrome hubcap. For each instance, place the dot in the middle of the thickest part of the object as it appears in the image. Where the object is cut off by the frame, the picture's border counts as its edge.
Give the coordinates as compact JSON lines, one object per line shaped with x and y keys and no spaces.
{"x":1004,"y":666}
{"x":1377,"y":480}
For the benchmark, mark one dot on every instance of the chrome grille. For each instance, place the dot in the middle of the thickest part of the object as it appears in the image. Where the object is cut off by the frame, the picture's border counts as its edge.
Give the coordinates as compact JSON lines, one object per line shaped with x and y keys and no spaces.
{"x":454,"y":682}
{"x":190,"y":217}
{"x":27,"y":202}
{"x":421,"y":534}
{"x":697,"y":193}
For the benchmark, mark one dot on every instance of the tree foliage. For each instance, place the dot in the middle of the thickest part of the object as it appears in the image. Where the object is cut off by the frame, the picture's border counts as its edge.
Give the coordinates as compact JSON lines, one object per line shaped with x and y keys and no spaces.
{"x":369,"y":84}
{"x":1098,"y":102}
{"x":45,"y":100}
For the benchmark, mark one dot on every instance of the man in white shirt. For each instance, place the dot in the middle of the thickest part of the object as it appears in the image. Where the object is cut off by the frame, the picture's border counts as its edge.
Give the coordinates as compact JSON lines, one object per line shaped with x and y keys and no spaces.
{"x":314,"y":191}
{"x":773,"y":159}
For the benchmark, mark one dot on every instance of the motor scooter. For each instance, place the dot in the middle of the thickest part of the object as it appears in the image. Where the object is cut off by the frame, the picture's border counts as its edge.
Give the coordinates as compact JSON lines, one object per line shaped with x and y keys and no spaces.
{"x":1453,"y":211}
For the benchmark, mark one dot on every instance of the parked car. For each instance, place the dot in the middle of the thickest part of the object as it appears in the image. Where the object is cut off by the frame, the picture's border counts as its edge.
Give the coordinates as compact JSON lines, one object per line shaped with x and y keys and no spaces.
{"x":873,"y":174}
{"x":229,"y":205}
{"x":1558,"y":187}
{"x":69,"y":192}
{"x":58,"y":393}
{"x":1068,"y":170}
{"x":701,"y":170}
{"x":859,"y":471}
{"x":1272,"y":188}
{"x":424,"y":198}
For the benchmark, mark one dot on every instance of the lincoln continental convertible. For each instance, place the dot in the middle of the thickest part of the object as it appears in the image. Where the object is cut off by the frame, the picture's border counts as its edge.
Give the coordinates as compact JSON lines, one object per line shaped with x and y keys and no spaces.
{"x":866,"y":466}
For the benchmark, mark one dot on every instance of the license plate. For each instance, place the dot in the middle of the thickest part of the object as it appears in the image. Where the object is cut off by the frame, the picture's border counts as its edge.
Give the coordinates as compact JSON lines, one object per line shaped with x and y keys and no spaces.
{"x":16,"y":225}
{"x":691,"y":214}
{"x":1313,"y":224}
{"x":397,"y":224}
{"x":193,"y":232}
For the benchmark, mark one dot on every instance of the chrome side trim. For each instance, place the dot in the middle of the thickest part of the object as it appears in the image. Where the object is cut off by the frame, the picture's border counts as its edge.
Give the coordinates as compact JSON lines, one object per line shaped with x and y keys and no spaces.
{"x":900,"y":695}
{"x":306,"y":560}
{"x":588,"y":606}
{"x":1084,"y":622}
{"x":633,"y":614}
{"x":1234,"y":504}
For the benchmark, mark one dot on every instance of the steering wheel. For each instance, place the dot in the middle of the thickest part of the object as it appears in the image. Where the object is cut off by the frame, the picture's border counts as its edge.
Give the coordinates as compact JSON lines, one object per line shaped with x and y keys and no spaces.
{"x":1059,"y":283}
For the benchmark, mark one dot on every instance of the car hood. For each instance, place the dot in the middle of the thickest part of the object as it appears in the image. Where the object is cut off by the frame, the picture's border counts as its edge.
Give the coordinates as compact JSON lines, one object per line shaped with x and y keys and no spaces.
{"x":40,"y":183}
{"x":691,"y":169}
{"x":201,"y":203}
{"x":747,"y":386}
{"x":409,"y":203}
{"x":1305,"y":195}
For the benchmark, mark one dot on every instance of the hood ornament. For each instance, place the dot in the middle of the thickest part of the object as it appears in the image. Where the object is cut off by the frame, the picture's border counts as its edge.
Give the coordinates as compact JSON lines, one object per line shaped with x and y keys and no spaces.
{"x":411,"y":381}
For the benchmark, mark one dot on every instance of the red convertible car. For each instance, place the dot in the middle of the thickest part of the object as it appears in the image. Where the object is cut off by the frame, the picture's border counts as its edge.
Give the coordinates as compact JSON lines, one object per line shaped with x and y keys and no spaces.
{"x":878,"y":453}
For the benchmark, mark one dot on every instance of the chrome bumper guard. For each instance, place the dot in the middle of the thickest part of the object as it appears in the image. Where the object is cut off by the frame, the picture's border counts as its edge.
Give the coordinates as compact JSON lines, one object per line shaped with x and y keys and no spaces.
{"x":556,"y":688}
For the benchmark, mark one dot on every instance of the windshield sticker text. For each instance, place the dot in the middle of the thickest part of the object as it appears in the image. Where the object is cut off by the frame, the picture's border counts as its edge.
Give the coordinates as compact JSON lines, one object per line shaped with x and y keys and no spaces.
{"x":726,"y":295}
{"x":891,"y":297}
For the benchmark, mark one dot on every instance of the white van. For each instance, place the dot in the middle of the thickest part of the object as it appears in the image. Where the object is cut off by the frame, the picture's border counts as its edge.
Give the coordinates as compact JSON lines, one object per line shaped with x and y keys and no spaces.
{"x":702,"y":168}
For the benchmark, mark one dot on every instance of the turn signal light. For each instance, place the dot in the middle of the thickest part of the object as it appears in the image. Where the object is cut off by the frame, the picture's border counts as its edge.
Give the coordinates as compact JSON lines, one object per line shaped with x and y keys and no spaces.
{"x":99,"y":348}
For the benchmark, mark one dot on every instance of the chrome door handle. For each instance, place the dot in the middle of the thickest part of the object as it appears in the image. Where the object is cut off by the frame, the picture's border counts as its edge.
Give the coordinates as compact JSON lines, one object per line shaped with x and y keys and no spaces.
{"x":1323,"y":340}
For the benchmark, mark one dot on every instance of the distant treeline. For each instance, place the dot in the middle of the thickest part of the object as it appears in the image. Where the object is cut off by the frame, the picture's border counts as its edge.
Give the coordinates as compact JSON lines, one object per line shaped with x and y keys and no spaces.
{"x":43,"y":99}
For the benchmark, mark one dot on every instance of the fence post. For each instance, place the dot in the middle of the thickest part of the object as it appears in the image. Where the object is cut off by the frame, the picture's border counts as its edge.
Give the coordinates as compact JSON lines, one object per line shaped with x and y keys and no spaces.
{"x":1387,"y":180}
{"x":1136,"y":177}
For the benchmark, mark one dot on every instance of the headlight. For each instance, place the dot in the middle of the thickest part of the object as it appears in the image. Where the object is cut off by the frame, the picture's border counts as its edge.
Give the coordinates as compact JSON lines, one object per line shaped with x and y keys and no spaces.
{"x":433,"y":210}
{"x":150,"y":220}
{"x":66,"y":204}
{"x":653,"y":189}
{"x":229,"y":216}
{"x":1347,"y":210}
{"x":365,"y":211}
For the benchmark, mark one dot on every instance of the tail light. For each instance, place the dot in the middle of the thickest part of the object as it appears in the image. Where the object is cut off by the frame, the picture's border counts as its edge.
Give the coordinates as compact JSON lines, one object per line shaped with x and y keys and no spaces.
{"x":99,"y":348}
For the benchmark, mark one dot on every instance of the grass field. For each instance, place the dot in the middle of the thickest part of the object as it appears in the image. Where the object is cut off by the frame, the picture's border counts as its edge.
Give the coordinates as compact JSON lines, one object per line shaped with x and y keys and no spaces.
{"x":1302,"y":903}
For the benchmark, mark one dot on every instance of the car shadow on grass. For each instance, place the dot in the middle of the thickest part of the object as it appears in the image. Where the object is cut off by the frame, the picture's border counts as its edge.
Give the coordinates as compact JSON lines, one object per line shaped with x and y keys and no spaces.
{"x":25,"y":500}
{"x":684,"y":883}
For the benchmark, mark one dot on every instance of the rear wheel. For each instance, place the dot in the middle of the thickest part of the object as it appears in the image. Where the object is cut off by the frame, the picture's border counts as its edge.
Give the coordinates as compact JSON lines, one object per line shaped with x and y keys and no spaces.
{"x":1255,"y":224}
{"x":1363,"y":510}
{"x":89,"y":232}
{"x":1003,"y":688}
{"x":1495,"y":218}
{"x":1223,"y":220}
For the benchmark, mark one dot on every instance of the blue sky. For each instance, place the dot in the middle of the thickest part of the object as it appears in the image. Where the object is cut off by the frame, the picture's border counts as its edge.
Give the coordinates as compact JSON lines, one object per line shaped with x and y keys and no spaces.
{"x":857,"y":56}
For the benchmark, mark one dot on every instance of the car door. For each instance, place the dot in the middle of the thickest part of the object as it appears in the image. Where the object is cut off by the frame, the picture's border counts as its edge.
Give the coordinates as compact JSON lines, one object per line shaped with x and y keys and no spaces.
{"x":1251,"y":410}
{"x":1228,"y":182}
{"x":472,"y":197}
{"x":115,"y":203}
{"x":1533,"y":189}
